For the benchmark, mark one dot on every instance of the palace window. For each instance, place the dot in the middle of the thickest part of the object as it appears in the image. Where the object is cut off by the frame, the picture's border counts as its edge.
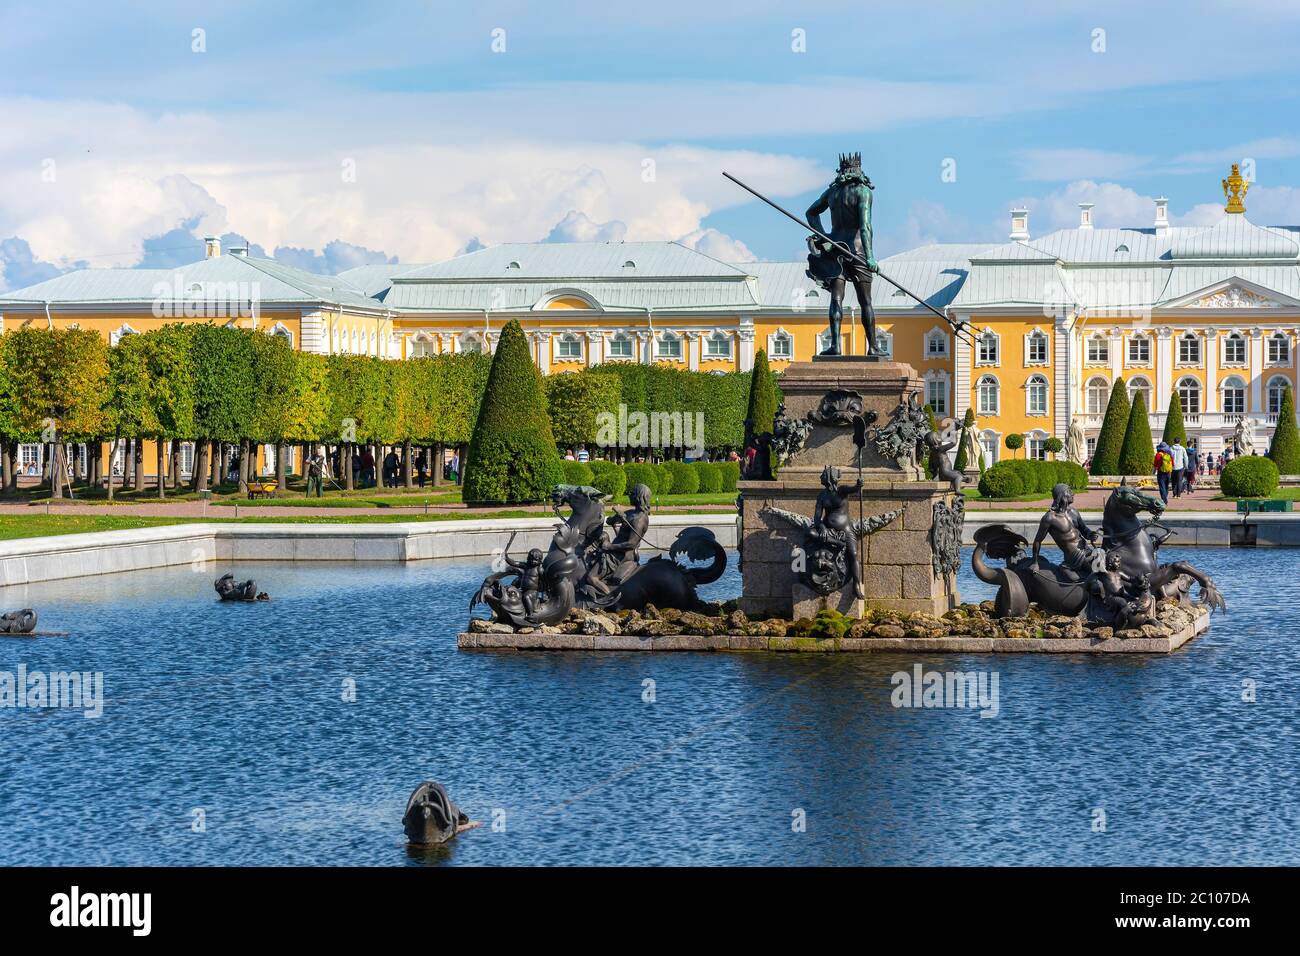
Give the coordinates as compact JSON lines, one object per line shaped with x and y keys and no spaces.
{"x":469,"y":342}
{"x":569,"y":347}
{"x":936,"y":396}
{"x":1098,"y":349}
{"x":1189,"y":395}
{"x":1036,"y":348}
{"x":782,"y":345}
{"x":1140,"y":386}
{"x":936,"y":345}
{"x":987,"y":396}
{"x":1234,"y":349}
{"x":670,"y":346}
{"x":987,"y":349}
{"x":1098,"y":395}
{"x":1234,"y":396}
{"x":718,"y":346}
{"x":1279,"y":349}
{"x":1036,"y":395}
{"x":1189,"y":349}
{"x":620,"y":346}
{"x":1139,"y":350}
{"x":422,"y":346}
{"x":1034,"y":449}
{"x":989,"y":446}
{"x":1276,"y":389}
{"x":824,"y":340}
{"x":885,"y":344}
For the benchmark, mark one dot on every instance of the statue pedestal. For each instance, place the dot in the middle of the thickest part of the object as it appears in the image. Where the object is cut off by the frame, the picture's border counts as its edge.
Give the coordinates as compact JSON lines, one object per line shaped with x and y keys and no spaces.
{"x":897,"y":560}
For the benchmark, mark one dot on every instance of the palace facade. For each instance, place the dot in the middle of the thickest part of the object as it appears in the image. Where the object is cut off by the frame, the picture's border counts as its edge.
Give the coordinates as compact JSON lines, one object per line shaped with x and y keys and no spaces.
{"x":1207,"y":313}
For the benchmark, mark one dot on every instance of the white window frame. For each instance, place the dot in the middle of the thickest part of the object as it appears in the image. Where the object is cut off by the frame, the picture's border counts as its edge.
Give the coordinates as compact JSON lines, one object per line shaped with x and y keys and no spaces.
{"x":1140,"y":339}
{"x":1098,"y":341}
{"x":884,"y":343}
{"x":1277,"y":338}
{"x":996,"y":360}
{"x":824,"y":339}
{"x":1236,"y":338}
{"x":613,"y":343}
{"x":1034,"y":441}
{"x":1133,"y":389}
{"x":1276,"y":385}
{"x":569,"y":339}
{"x":676,"y":341}
{"x":980,"y":407}
{"x":1106,"y":387}
{"x":467,"y":339}
{"x":711,"y":340}
{"x":1034,"y":383}
{"x":1037,"y":336}
{"x":1182,"y":399}
{"x":1233,"y":383}
{"x":936,"y":335}
{"x":1189,"y":338}
{"x":942,"y":382}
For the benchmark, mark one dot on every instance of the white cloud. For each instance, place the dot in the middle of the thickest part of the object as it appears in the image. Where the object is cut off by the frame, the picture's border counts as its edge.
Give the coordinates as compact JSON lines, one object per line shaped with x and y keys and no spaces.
{"x":1067,"y":164}
{"x":717,"y":244}
{"x":579,"y":227}
{"x":1115,"y":206}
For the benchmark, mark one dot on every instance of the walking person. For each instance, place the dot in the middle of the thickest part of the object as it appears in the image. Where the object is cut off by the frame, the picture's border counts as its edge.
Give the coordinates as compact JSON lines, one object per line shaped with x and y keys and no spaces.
{"x":316,"y":474}
{"x":421,"y":467}
{"x":1179,"y":454}
{"x":1164,"y":467}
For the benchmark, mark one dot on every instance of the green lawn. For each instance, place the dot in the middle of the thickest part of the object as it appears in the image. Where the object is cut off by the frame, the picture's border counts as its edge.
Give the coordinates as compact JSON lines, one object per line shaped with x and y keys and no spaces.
{"x":974,"y":494}
{"x":229,"y":495}
{"x":1280,"y":494}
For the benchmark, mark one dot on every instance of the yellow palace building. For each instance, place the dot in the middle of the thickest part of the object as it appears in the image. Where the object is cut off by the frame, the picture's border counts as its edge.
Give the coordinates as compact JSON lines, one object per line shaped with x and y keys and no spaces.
{"x":1209,"y":313}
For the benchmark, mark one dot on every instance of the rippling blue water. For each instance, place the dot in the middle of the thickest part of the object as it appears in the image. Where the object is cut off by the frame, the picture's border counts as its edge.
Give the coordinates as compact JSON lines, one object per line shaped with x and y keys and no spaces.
{"x":238,"y":710}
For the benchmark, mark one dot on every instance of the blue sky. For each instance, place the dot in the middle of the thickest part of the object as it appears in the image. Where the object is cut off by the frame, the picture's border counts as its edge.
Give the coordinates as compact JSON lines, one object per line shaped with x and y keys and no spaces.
{"x":333,"y":134}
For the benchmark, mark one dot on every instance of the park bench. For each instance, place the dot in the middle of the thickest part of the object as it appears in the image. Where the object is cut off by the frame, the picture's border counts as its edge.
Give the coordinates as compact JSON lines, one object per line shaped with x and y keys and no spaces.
{"x":262,"y":489}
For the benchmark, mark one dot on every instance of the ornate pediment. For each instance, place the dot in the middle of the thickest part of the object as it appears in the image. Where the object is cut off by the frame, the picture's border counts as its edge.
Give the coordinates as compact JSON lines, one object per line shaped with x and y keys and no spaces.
{"x":1234,"y":297}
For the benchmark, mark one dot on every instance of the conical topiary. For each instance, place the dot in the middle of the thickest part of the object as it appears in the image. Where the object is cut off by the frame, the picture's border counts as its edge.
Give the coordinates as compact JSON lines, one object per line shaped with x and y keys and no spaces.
{"x":1175,"y":431}
{"x":762,"y":395}
{"x":1137,"y":455}
{"x":1285,"y":448}
{"x":967,"y":423}
{"x":1110,"y":440}
{"x":512,"y":456}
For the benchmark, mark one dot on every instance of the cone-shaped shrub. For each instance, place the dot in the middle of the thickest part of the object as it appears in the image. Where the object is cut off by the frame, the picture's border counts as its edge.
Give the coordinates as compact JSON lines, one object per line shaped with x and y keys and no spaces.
{"x":762,"y":395}
{"x":1110,"y":440}
{"x":1137,"y":455}
{"x":967,"y":423}
{"x":1174,"y":428}
{"x":512,"y":456}
{"x":1285,"y":449}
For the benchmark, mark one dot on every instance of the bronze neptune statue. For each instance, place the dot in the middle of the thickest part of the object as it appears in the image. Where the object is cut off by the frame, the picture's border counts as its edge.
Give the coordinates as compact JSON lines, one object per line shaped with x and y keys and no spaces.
{"x":848,"y":257}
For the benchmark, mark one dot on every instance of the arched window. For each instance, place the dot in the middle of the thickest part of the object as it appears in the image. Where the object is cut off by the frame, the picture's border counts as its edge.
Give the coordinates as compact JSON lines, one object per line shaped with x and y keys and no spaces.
{"x":885,"y":343}
{"x":1098,"y":395}
{"x":1036,"y":395}
{"x":824,"y":340}
{"x":936,"y":344}
{"x":1234,"y":396}
{"x":1098,"y":349}
{"x":568,"y":348}
{"x":670,"y":346}
{"x":936,"y":394}
{"x":1189,"y":395}
{"x":422,"y":346}
{"x":1277,"y":386}
{"x":1140,"y":386}
{"x":1279,"y":349}
{"x":718,"y":346}
{"x":986,"y":396}
{"x":986,"y":352}
{"x":620,"y":346}
{"x":1139,"y":349}
{"x":1034,"y":442}
{"x":1189,"y":349}
{"x":989,"y":445}
{"x":1036,"y":347}
{"x":469,"y":342}
{"x":782,"y":345}
{"x":1234,"y":349}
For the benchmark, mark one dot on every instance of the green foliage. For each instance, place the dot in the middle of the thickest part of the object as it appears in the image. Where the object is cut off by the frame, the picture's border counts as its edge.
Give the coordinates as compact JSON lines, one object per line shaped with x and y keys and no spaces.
{"x":1001,"y":481}
{"x":829,"y":624}
{"x":574,"y":401}
{"x":1138,"y":452}
{"x":1014,"y":442}
{"x":709,"y":476}
{"x":761,"y":408}
{"x":730,"y":471}
{"x":56,"y":374}
{"x":577,"y":473}
{"x":221,"y":364}
{"x":650,"y":389}
{"x":1071,"y":474}
{"x":1053,"y":445}
{"x":127,"y":406}
{"x":1250,"y":476}
{"x":1110,"y":440}
{"x":665,"y":478}
{"x":512,"y":456}
{"x":960,"y":463}
{"x":1013,"y":478}
{"x":1174,"y":429}
{"x":611,"y":480}
{"x":641,"y":473}
{"x":686,"y":480}
{"x":1285,"y":447}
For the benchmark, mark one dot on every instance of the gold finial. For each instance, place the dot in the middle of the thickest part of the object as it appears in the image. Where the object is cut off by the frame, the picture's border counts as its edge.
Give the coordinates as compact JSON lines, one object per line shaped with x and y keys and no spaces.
{"x":1234,"y":190}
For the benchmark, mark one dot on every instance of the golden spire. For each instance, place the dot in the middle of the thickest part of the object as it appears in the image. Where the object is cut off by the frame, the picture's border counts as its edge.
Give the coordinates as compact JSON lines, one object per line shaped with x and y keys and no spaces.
{"x":1234,"y":190}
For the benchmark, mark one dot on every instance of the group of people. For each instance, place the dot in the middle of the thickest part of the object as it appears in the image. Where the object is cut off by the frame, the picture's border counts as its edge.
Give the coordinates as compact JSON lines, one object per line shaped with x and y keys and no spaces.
{"x":1176,"y":467}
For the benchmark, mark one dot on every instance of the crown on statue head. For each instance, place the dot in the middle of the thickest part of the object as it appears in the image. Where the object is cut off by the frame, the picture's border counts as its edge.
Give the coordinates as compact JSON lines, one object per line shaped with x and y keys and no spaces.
{"x":850,"y":161}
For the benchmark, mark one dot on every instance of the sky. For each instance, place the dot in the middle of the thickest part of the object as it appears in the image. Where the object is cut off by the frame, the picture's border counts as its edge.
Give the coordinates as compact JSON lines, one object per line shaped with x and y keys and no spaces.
{"x":331,"y":135}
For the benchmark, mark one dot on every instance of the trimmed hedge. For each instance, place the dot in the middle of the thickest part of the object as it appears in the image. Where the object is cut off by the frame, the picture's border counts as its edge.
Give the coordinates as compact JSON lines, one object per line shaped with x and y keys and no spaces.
{"x":641,"y":473}
{"x":1137,"y":453}
{"x":710,"y":476}
{"x":730,"y":471}
{"x":1110,"y":440}
{"x":1250,"y":476}
{"x":686,"y":480}
{"x":665,"y":479}
{"x":611,"y":480}
{"x":1013,"y":478}
{"x":1285,"y":448}
{"x":577,"y":473}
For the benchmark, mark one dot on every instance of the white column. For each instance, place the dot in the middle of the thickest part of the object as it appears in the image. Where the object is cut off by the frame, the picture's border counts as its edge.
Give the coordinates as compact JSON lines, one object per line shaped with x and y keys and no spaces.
{"x":1116,"y":353}
{"x":1164,"y":367}
{"x":961,"y":369}
{"x":692,"y":350}
{"x":312,"y":337}
{"x":746,"y":349}
{"x":1256,"y":372}
{"x":1062,"y":379}
{"x":543,"y":340}
{"x":1211,"y":403}
{"x":645,"y":347}
{"x":595,"y":348}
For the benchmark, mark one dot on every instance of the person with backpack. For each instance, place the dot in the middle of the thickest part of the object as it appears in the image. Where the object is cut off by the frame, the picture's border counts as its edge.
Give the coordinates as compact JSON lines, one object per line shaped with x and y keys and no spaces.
{"x":1164,"y":469}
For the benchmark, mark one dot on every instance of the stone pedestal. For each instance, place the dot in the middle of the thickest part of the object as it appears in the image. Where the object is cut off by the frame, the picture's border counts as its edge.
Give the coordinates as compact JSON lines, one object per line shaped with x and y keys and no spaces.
{"x":897,"y":560}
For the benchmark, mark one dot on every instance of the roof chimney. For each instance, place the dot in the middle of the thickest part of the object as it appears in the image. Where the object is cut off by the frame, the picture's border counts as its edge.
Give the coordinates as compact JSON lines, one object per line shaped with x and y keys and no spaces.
{"x":1020,"y":223}
{"x":212,"y":246}
{"x":1162,"y":216}
{"x":1085,"y":215}
{"x":239,"y":250}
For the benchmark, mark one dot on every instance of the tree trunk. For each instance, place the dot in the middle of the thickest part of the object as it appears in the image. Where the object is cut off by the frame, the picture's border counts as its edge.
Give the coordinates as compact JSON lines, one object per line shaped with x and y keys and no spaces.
{"x":161,"y":447}
{"x":435,"y":464}
{"x":137,"y":464}
{"x":218,"y":464}
{"x":112,"y":449}
{"x":245,"y":449}
{"x":349,"y":451}
{"x":6,"y":465}
{"x":174,"y":479}
{"x":281,"y":474}
{"x":460,"y":468}
{"x":408,"y":479}
{"x":56,"y":468}
{"x":202,"y":451}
